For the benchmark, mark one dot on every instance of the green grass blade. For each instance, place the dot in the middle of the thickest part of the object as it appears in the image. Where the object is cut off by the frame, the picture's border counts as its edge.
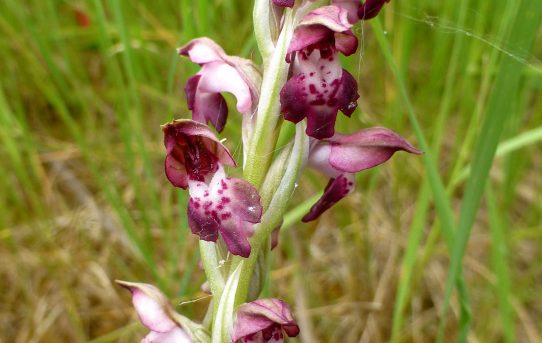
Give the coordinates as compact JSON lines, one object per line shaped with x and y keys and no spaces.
{"x":499,"y":108}
{"x":499,"y":262}
{"x":508,"y":146}
{"x":440,"y":197}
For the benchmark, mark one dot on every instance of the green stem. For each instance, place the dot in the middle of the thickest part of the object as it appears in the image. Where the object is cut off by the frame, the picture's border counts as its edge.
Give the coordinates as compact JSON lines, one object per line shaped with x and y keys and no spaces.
{"x":275,"y":212}
{"x":263,"y":140}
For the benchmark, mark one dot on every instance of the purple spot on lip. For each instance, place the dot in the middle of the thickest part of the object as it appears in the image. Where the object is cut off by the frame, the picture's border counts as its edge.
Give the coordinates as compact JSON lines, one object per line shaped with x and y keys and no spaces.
{"x":225,"y":216}
{"x":224,"y":185}
{"x":312,"y":89}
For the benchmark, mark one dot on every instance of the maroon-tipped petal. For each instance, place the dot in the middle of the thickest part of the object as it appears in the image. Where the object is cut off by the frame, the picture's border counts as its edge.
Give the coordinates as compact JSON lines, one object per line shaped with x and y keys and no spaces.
{"x":206,"y":107}
{"x":370,"y":9}
{"x":340,"y":156}
{"x":306,"y":36}
{"x":219,"y":73}
{"x":366,"y":149}
{"x":351,"y":7}
{"x":235,"y":233}
{"x":348,"y":94}
{"x":346,"y":42}
{"x":156,"y":314}
{"x":325,"y":25}
{"x":264,"y":320}
{"x":336,"y":189}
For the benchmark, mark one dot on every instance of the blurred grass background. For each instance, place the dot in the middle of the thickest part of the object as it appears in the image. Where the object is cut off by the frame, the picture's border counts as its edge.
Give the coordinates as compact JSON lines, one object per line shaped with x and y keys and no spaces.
{"x":86,"y":84}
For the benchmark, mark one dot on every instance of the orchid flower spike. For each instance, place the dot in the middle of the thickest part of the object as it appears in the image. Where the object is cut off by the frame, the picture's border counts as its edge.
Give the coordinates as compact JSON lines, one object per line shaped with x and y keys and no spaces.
{"x":157,"y":315}
{"x":341,"y":156}
{"x":320,"y":87}
{"x":219,"y":73}
{"x":218,"y":204}
{"x":264,"y":320}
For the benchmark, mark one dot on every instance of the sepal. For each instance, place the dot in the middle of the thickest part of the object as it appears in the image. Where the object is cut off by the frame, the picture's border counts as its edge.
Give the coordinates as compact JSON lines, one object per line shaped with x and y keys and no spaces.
{"x":157,"y":314}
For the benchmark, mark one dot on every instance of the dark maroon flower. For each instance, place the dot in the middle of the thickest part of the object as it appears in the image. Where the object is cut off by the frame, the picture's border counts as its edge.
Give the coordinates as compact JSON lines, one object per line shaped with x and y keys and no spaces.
{"x":193,"y":152}
{"x":219,"y":73}
{"x":370,"y":9}
{"x":340,"y":156}
{"x":320,"y":87}
{"x":264,"y":320}
{"x":284,"y":3}
{"x":218,"y":204}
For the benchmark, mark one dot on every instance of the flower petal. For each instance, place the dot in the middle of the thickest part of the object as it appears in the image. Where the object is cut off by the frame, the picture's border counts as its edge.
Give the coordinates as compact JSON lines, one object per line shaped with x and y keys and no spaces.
{"x":328,"y":23}
{"x":333,"y":17}
{"x":336,"y":189}
{"x":217,"y":77}
{"x":205,"y":106}
{"x":264,"y":315}
{"x":202,"y":224}
{"x":229,"y":206}
{"x":346,"y":42}
{"x":351,"y":6}
{"x":366,"y":149}
{"x":176,"y":335}
{"x":235,"y":234}
{"x":203,"y":50}
{"x":245,"y":200}
{"x":348,"y":94}
{"x":318,"y":92}
{"x":370,"y":9}
{"x":176,"y":172}
{"x":219,"y":73}
{"x":193,"y":152}
{"x":151,"y":305}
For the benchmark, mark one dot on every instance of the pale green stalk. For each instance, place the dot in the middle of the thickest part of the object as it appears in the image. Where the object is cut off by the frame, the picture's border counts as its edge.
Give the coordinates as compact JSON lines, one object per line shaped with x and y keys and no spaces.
{"x":263,"y":140}
{"x":272,"y":218}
